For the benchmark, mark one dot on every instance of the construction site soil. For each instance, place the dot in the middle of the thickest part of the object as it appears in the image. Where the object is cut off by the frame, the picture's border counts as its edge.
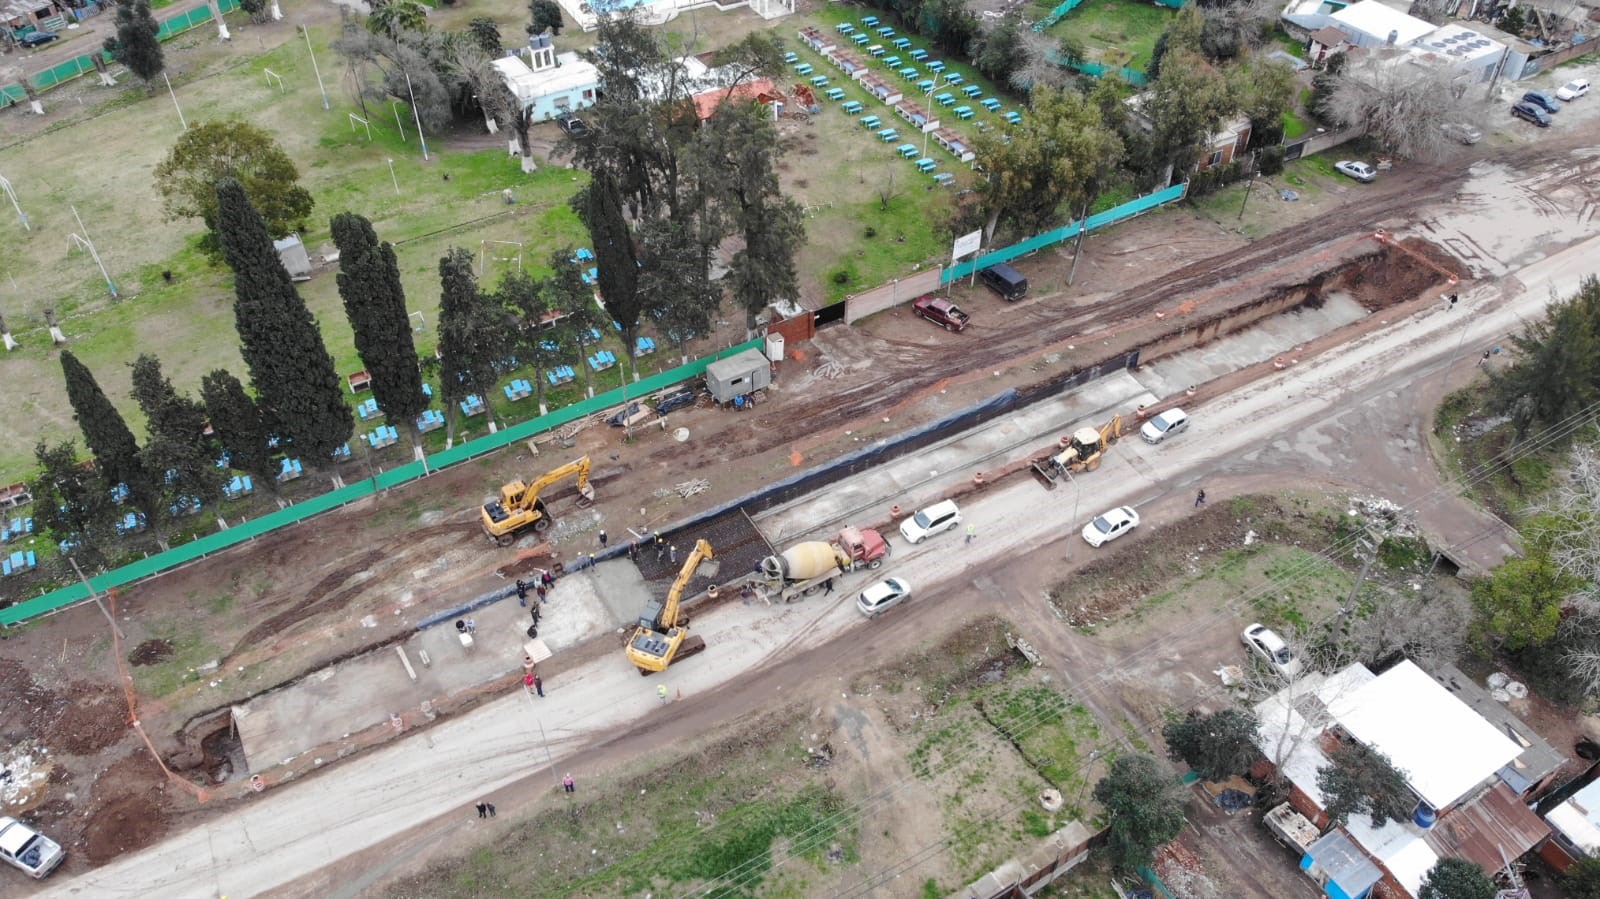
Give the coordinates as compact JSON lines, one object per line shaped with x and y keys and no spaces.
{"x":338,"y":585}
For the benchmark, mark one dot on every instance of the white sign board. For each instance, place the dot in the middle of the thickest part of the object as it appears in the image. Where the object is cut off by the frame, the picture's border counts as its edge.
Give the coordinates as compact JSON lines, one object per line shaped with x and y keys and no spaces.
{"x":967,"y":244}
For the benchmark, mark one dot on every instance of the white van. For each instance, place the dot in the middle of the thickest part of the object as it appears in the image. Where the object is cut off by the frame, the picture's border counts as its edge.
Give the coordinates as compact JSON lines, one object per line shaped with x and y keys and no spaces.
{"x":936,"y":519}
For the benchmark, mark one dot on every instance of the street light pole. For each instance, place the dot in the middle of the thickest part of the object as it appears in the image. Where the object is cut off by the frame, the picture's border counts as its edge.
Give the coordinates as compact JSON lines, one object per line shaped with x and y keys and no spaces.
{"x":175,"y":105}
{"x":417,"y":117}
{"x":314,"y":67}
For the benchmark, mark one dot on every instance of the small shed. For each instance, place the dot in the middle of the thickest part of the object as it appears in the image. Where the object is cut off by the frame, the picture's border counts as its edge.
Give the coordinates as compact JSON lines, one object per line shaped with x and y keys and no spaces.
{"x":292,"y":253}
{"x":738,"y":375}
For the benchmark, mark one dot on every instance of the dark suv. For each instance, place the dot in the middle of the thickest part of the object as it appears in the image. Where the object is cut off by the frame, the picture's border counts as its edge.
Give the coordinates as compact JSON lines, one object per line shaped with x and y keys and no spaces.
{"x":677,"y":399}
{"x":1542,"y":100}
{"x":572,"y":125}
{"x":1531,"y":113}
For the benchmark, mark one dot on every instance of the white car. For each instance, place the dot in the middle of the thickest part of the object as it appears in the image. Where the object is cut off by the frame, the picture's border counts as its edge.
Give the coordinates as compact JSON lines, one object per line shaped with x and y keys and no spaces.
{"x":1462,"y":132}
{"x":1168,"y":423}
{"x":1357,"y":170}
{"x":1573,"y":89}
{"x":1264,"y":643}
{"x":1111,"y":525}
{"x":28,"y":850}
{"x":936,"y":519}
{"x":890,"y":591}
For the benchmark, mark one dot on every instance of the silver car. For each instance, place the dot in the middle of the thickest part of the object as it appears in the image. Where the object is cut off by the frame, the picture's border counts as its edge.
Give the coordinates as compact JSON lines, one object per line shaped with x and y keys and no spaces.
{"x":889,"y":592}
{"x":1168,"y":423}
{"x":1265,"y":644}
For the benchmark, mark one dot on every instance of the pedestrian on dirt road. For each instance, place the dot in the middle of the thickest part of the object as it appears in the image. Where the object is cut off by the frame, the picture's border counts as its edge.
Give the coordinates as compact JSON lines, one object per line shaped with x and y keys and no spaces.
{"x":483,"y":809}
{"x":672,"y":554}
{"x":535,"y":614}
{"x":567,"y":784}
{"x":591,"y":560}
{"x":972,"y":532}
{"x":1485,"y":360}
{"x":546,"y":578}
{"x":661,"y":691}
{"x":527,"y":680}
{"x":633,"y":550}
{"x":602,"y":538}
{"x":544,"y":595}
{"x":1200,"y":498}
{"x":827,"y":587}
{"x":538,"y":684}
{"x":491,"y":808}
{"x":522,"y":593}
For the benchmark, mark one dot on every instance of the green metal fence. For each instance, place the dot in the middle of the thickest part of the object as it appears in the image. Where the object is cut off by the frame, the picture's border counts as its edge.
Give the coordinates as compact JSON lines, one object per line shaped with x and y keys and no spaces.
{"x":1098,"y":220}
{"x":83,"y":65}
{"x":1057,"y":14}
{"x":189,"y":552}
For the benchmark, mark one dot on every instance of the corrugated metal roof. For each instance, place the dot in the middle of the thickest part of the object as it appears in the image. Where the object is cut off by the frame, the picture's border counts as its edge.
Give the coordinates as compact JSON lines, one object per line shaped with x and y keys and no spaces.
{"x":1339,"y":857}
{"x":1478,"y":831}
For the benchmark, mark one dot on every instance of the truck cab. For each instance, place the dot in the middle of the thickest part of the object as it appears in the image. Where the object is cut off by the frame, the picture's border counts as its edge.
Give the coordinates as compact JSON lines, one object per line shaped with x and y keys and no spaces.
{"x":941,"y":312}
{"x":24,"y":848}
{"x":865,"y":546}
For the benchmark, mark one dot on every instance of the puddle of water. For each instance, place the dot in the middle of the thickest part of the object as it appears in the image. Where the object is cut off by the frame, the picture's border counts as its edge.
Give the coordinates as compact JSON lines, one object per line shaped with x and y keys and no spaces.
{"x":1271,"y":337}
{"x":1503,"y":219}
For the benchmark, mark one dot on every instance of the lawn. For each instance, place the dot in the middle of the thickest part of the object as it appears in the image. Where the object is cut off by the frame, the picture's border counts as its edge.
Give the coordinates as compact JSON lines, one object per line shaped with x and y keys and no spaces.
{"x":1114,"y":32}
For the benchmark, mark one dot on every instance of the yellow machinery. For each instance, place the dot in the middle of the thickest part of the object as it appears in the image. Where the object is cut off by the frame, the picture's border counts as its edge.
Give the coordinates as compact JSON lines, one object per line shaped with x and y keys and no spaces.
{"x":663,"y":633}
{"x":1080,"y":452}
{"x":519,"y":506}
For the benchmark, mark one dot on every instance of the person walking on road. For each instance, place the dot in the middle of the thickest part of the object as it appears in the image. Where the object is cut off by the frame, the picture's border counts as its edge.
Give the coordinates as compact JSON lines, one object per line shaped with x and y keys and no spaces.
{"x":827,"y":587}
{"x":568,"y":785}
{"x":661,"y":691}
{"x":490,"y":807}
{"x":483,"y":809}
{"x":522,"y":593}
{"x":972,"y":532}
{"x":1200,"y":498}
{"x":603,"y":538}
{"x":538,"y":684}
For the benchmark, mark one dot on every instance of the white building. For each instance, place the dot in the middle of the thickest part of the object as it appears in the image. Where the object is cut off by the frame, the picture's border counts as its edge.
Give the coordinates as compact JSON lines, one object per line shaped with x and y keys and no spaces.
{"x":549,"y":84}
{"x":1464,"y":47}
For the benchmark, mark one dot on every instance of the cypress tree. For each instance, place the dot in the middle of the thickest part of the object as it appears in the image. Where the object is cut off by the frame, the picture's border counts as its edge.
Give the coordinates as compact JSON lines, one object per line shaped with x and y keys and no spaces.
{"x":472,"y":336}
{"x":176,"y":448}
{"x":240,"y":427}
{"x":135,"y":44}
{"x":278,"y":337}
{"x":375,"y":302}
{"x":116,"y":452}
{"x":616,"y":257}
{"x":73,"y":505}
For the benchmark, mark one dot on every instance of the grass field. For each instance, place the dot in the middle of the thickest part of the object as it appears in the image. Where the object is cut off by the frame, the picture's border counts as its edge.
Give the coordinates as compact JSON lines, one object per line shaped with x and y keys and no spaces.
{"x":1114,"y":32}
{"x":100,"y":162}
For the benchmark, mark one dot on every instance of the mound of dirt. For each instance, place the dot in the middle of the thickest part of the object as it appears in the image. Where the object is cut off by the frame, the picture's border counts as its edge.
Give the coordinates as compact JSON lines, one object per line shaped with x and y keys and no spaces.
{"x":150,"y":652}
{"x":124,"y":824}
{"x":95,"y":717}
{"x":30,"y":708}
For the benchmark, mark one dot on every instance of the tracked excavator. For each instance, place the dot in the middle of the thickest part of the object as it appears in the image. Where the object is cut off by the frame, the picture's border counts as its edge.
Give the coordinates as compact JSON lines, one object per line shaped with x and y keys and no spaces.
{"x":519,"y":506}
{"x":1080,"y":452}
{"x":662,"y":636}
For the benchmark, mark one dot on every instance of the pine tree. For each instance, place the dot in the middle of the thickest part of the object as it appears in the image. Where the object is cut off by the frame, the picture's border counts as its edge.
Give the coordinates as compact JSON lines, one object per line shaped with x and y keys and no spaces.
{"x":135,"y":44}
{"x":616,"y":257}
{"x":375,"y":302}
{"x":472,"y":336}
{"x":116,"y":452}
{"x":279,"y":339}
{"x":176,"y":448}
{"x":72,"y":503}
{"x":240,"y":428}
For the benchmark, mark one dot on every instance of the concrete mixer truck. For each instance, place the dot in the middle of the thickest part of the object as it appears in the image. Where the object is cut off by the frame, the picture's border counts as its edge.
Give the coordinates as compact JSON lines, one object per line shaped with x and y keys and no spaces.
{"x":805,"y":568}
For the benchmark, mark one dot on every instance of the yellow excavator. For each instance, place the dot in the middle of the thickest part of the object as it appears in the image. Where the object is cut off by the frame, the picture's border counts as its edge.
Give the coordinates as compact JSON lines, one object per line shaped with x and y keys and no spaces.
{"x":662,"y":636}
{"x":519,"y":506}
{"x":1080,"y":452}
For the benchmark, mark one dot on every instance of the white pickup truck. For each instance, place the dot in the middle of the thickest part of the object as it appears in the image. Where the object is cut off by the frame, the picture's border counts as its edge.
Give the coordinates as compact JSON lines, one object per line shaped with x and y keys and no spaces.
{"x":25,"y":848}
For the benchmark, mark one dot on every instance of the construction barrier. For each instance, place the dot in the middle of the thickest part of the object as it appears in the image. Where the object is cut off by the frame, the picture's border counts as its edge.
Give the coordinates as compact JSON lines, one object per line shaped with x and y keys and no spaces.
{"x":1066,"y":232}
{"x":181,"y":555}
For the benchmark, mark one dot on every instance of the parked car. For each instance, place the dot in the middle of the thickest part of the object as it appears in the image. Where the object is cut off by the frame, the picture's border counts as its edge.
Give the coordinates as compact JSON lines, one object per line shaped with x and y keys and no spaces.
{"x":1542,"y":100}
{"x":1110,"y":526}
{"x":1461,"y":131}
{"x":1004,"y":280}
{"x":1357,"y":170}
{"x":37,"y":38}
{"x":1573,"y":89}
{"x":677,"y":399}
{"x":1531,"y":113}
{"x":1264,"y":643}
{"x":941,"y":312}
{"x":890,"y":591}
{"x":572,"y":125}
{"x":936,"y":519}
{"x":1168,"y":423}
{"x":26,"y":849}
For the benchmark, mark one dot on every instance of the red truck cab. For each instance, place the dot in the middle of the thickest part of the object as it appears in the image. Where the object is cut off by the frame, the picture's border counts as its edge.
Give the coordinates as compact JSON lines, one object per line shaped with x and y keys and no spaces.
{"x":941,"y":312}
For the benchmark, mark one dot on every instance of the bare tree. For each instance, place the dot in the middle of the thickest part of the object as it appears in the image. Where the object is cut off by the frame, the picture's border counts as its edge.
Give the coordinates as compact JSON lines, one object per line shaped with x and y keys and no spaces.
{"x":1574,"y":506}
{"x":1040,"y":63}
{"x":1427,"y":626}
{"x":1399,"y":101}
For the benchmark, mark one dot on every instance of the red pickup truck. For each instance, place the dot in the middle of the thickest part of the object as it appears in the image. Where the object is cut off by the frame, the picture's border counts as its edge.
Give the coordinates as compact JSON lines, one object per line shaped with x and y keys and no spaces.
{"x":941,"y":312}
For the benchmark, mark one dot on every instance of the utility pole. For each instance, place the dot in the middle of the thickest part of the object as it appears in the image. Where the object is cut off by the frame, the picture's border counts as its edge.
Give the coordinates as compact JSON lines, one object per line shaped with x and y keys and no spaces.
{"x":96,"y":597}
{"x":1369,"y":544}
{"x":1251,"y":183}
{"x":314,"y":67}
{"x":1077,"y":250}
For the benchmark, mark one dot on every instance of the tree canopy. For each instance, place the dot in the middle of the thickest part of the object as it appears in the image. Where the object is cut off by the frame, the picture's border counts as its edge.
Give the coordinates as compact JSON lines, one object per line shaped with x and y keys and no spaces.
{"x":1456,"y":878}
{"x":375,"y":303}
{"x":211,"y":151}
{"x":1360,"y":779}
{"x":1144,"y":806}
{"x":72,"y":503}
{"x":299,"y":392}
{"x":1557,"y":367}
{"x":240,"y":427}
{"x":1217,"y":746}
{"x":473,"y":336}
{"x":1055,"y":161}
{"x":134,"y":44}
{"x":177,"y":450}
{"x":1520,"y":602}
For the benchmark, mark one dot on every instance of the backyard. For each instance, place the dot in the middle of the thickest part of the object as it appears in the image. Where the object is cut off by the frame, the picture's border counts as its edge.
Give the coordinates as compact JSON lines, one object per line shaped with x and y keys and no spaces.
{"x":1119,"y":33}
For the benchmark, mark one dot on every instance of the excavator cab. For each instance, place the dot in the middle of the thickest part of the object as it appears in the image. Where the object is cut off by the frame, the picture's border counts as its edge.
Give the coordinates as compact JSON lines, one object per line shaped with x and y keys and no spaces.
{"x":520,"y":507}
{"x":662,"y":636}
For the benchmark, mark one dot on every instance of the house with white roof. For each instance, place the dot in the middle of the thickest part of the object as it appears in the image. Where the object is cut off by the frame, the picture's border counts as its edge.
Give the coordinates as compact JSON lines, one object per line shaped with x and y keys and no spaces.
{"x":1452,"y":758}
{"x":1574,"y":828}
{"x":1473,"y":49}
{"x":549,"y":83}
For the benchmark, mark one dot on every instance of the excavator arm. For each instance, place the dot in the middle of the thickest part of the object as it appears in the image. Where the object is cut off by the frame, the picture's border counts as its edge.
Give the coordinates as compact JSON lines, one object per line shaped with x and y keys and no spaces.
{"x":670,"y":612}
{"x":519,"y":506}
{"x":580,"y":467}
